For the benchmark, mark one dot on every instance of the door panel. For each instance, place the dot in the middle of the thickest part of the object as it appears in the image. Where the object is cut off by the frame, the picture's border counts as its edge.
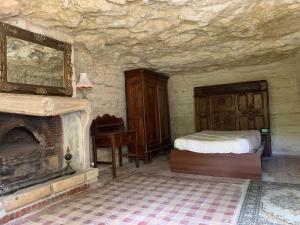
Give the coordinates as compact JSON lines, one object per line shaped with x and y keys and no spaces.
{"x":252,"y":111}
{"x":243,"y":123}
{"x":164,"y":119}
{"x":134,"y":97}
{"x":223,"y":112}
{"x":242,"y":102}
{"x":222,"y":102}
{"x":138,"y":125}
{"x":259,"y":122}
{"x":151,"y":111}
{"x":202,"y":113}
{"x":258,"y":101}
{"x":223,"y":120}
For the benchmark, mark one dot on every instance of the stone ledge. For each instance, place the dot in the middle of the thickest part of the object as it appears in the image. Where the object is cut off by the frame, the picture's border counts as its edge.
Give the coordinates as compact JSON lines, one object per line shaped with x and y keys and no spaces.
{"x":37,"y":105}
{"x":42,"y":203}
{"x":19,"y":203}
{"x":92,"y":175}
{"x":19,"y":200}
{"x":63,"y":185}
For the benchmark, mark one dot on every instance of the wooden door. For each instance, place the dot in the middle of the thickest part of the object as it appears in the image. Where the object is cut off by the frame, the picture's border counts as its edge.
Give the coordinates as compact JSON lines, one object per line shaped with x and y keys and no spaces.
{"x":151,"y":113}
{"x":135,"y":112}
{"x":223,"y":112}
{"x":252,"y":111}
{"x":163,"y":108}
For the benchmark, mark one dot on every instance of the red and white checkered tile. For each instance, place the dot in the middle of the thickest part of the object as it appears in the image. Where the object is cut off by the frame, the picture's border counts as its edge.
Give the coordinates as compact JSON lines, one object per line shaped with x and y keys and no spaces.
{"x":146,"y":199}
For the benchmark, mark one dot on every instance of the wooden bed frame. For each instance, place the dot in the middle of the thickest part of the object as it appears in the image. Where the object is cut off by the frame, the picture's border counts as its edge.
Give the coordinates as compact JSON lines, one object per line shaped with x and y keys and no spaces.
{"x":238,"y":106}
{"x":246,"y":165}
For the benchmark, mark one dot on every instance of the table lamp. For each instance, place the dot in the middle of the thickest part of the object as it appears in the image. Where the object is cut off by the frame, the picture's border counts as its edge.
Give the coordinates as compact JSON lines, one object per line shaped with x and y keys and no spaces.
{"x":84,"y":83}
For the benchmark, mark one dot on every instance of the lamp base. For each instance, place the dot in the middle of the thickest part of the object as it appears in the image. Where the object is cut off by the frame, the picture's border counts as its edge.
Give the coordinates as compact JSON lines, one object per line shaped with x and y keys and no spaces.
{"x":84,"y":92}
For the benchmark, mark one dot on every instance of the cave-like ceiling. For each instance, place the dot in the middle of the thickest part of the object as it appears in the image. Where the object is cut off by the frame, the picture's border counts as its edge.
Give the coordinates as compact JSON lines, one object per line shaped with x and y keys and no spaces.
{"x":173,"y":36}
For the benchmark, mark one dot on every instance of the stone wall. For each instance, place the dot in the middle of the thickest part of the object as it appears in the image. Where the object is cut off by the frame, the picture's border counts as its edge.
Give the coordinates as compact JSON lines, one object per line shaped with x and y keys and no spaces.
{"x":297,"y":62}
{"x":108,"y":94}
{"x":284,"y":89}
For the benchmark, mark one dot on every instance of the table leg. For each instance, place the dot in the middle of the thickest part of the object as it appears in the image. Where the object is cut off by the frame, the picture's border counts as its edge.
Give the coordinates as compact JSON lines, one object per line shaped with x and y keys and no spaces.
{"x":114,"y":172}
{"x":120,"y":156}
{"x":136,"y":151}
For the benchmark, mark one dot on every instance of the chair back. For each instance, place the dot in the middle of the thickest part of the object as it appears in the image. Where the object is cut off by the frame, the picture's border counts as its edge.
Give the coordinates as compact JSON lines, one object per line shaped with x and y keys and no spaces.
{"x":107,"y":123}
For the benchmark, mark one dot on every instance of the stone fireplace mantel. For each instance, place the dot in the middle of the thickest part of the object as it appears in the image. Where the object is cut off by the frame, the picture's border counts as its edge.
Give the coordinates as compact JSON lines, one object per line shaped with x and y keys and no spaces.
{"x":76,"y":117}
{"x":42,"y":105}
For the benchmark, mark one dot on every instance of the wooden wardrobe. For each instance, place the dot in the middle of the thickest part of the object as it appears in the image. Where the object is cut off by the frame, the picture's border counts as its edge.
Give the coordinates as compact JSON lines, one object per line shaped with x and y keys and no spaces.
{"x":148,"y":111}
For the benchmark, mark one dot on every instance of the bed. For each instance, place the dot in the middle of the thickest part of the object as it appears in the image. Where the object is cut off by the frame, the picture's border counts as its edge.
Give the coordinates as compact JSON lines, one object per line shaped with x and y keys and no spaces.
{"x":228,"y":141}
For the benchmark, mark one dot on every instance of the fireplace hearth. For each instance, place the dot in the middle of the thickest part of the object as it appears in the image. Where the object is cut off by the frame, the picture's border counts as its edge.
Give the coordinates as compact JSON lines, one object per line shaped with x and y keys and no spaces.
{"x":31,"y":150}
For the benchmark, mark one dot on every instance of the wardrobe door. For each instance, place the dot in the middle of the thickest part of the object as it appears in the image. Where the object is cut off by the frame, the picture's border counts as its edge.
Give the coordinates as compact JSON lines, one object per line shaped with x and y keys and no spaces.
{"x":151,"y":113}
{"x":163,"y":108}
{"x":223,"y":112}
{"x":135,"y":112}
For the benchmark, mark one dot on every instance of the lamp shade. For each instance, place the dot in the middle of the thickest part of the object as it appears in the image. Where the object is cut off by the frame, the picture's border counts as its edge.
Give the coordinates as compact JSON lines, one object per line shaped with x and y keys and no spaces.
{"x":84,"y":81}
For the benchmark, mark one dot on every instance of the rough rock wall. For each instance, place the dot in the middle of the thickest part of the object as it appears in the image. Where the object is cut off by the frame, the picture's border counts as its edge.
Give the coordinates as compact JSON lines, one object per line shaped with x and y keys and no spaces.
{"x":108,"y":94}
{"x":284,"y":90}
{"x":172,"y":35}
{"x":297,"y":62}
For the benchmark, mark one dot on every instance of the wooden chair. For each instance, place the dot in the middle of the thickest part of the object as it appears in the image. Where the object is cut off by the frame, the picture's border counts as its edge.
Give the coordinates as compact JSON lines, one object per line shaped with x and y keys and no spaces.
{"x":109,"y":132}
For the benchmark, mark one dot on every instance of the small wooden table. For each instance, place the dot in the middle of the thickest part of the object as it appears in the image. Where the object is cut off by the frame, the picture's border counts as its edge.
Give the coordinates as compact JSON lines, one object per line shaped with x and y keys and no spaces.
{"x":109,"y":132}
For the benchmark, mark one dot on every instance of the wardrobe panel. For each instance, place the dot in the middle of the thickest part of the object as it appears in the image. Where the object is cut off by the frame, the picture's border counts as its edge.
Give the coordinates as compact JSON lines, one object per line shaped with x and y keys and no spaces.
{"x":135,"y":99}
{"x":138,"y":125}
{"x":164,"y":125}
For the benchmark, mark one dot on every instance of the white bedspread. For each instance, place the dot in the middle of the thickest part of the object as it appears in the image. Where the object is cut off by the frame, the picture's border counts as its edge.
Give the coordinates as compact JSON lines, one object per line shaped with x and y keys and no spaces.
{"x":210,"y":141}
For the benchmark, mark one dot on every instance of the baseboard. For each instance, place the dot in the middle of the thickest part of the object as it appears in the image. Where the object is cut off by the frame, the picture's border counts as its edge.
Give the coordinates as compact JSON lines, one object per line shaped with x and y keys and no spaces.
{"x":285,"y":152}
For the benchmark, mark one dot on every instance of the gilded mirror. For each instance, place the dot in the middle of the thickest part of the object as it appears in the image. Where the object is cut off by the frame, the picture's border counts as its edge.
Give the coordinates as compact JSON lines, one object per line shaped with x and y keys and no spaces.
{"x":33,"y":63}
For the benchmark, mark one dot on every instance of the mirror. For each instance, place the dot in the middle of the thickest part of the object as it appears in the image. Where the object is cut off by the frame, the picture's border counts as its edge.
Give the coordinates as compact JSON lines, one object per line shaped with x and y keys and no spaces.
{"x":33,"y":63}
{"x":30,"y":63}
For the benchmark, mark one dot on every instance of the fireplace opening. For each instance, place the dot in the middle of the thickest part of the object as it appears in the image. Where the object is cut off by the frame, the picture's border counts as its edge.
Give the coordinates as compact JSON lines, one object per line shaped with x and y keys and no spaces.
{"x":20,"y":149}
{"x":19,"y":135}
{"x":31,"y":150}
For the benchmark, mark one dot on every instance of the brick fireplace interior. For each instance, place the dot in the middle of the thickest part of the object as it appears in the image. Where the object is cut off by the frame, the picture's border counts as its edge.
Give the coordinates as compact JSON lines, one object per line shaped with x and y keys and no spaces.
{"x":31,"y":150}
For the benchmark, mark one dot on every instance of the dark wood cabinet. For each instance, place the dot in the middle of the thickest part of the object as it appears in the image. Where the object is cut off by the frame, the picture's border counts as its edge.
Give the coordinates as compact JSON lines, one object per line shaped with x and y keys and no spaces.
{"x":148,"y":111}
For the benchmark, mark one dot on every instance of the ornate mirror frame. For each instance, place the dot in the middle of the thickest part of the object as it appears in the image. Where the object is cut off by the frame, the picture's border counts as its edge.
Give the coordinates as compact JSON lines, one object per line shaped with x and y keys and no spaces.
{"x":8,"y":87}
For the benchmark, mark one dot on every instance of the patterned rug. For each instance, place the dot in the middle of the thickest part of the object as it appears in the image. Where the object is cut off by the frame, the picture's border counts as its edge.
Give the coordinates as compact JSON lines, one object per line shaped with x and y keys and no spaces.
{"x":269,"y":203}
{"x":148,"y":199}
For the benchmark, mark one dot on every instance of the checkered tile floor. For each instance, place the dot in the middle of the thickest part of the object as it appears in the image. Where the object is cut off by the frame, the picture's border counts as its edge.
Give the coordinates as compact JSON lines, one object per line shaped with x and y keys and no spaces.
{"x":146,"y":199}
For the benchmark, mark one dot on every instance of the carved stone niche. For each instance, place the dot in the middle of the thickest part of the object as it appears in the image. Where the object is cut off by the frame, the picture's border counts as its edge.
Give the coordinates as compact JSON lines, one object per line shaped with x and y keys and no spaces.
{"x":34,"y":64}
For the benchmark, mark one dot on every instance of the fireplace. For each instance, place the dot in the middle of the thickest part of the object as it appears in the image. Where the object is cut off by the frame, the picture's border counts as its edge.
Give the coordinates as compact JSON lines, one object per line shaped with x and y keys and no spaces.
{"x":35,"y":135}
{"x":31,"y":150}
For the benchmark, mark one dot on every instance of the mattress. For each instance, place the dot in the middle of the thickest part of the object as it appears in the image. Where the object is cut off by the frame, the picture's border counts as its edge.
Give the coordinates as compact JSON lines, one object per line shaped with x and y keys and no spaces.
{"x":210,"y":141}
